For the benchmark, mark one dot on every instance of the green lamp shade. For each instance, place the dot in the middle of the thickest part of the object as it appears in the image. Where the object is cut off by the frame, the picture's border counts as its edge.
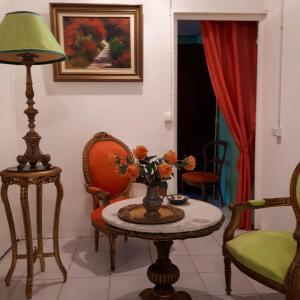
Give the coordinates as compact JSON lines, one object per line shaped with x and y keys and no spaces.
{"x":26,"y":32}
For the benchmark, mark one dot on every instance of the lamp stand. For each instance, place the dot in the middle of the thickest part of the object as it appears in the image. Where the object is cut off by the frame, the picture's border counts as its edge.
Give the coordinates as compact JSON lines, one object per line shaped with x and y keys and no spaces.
{"x":33,"y":154}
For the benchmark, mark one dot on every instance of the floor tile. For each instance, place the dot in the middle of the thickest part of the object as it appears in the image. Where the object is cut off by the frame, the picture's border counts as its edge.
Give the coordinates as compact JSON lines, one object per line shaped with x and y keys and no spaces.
{"x":41,"y":290}
{"x":261,"y":288}
{"x":18,"y":272}
{"x":6,"y":291}
{"x":132,"y":257}
{"x":236,"y":297}
{"x":128,"y":287}
{"x":89,"y":263}
{"x":177,"y":248}
{"x":66,"y":253}
{"x":215,"y":284}
{"x":272,"y":296}
{"x":218,"y":236}
{"x":184,"y":263}
{"x":192,"y":284}
{"x":85,"y":241}
{"x":85,"y":288}
{"x":131,"y":265}
{"x":205,"y":245}
{"x":207,"y":263}
{"x":203,"y":297}
{"x":52,"y":271}
{"x":64,"y":243}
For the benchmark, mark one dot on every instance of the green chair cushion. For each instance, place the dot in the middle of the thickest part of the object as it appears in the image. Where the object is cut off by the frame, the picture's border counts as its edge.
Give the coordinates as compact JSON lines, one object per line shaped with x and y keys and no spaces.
{"x":257,"y":202}
{"x":268,"y":253}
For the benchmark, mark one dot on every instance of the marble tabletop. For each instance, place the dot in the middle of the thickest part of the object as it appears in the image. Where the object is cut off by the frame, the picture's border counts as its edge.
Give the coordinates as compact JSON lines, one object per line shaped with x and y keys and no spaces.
{"x":198,"y":215}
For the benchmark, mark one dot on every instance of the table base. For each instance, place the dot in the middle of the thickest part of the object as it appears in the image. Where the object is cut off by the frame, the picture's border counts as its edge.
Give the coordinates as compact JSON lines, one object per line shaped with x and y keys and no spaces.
{"x":149,"y":294}
{"x":163,"y":273}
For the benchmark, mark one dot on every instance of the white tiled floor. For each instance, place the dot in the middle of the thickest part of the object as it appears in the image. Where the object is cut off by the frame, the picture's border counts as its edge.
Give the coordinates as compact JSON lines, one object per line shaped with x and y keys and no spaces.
{"x":89,"y":278}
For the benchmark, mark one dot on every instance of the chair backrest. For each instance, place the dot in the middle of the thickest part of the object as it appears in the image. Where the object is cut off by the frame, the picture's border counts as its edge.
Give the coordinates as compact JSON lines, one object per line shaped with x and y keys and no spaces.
{"x":214,"y":154}
{"x":99,"y":170}
{"x":295,"y":193}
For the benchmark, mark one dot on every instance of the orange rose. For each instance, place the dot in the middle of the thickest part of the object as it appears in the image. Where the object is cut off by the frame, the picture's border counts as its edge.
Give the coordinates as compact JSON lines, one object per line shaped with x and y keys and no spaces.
{"x":140,"y":152}
{"x":189,"y":163}
{"x":165,"y":170}
{"x":133,"y":171}
{"x":170,"y":157}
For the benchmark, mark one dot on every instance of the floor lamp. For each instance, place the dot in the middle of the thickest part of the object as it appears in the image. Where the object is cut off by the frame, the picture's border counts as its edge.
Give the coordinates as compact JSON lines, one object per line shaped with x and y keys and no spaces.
{"x":25,"y":39}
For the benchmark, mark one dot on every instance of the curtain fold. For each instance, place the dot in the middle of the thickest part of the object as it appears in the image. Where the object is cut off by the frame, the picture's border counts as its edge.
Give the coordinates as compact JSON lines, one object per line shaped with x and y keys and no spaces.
{"x":231,"y":54}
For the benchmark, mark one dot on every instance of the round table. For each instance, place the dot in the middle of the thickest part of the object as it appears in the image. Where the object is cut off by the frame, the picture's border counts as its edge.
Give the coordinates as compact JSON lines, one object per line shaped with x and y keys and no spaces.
{"x":200,"y":219}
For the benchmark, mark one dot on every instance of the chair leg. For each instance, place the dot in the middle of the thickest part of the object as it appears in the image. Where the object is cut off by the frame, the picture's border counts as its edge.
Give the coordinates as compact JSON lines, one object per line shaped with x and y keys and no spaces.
{"x":291,"y":294}
{"x":221,"y":194}
{"x":112,"y":250}
{"x":96,"y":240}
{"x":125,"y":238}
{"x":227,"y":263}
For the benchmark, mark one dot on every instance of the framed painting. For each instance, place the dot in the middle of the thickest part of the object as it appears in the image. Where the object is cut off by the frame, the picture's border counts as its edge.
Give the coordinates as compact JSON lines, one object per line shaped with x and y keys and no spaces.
{"x":102,"y":42}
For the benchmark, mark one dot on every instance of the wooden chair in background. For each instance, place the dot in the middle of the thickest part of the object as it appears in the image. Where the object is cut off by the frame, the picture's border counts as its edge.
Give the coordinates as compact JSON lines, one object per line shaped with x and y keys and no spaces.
{"x":214,"y":154}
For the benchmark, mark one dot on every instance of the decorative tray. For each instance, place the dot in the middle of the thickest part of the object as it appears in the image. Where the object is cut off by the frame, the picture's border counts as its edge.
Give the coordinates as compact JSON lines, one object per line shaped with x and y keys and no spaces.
{"x":135,"y":213}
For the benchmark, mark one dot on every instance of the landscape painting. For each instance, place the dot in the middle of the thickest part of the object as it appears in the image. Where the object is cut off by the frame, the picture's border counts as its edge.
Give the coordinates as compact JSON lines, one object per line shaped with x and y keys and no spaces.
{"x":96,"y":43}
{"x":101,"y":42}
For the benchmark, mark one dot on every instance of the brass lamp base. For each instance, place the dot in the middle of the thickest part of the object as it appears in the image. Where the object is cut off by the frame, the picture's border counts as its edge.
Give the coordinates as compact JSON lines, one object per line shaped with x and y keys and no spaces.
{"x":33,"y":155}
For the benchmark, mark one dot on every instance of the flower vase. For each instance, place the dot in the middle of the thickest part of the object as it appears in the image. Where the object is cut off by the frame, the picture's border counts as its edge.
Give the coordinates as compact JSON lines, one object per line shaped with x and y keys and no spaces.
{"x":152,"y":202}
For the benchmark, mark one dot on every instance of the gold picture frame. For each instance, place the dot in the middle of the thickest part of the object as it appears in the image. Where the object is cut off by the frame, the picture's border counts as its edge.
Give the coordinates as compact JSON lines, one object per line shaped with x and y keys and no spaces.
{"x":102,"y":42}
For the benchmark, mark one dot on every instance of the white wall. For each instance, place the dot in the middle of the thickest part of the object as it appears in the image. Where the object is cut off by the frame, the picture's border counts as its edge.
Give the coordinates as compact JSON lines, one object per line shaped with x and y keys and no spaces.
{"x":70,"y":113}
{"x":7,"y":133}
{"x":281,"y":157}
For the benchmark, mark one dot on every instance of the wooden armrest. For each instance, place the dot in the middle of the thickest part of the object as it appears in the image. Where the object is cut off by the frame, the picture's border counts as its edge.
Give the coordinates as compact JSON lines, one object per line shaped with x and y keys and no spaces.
{"x":98,"y":194}
{"x":237,"y":209}
{"x":262,"y":203}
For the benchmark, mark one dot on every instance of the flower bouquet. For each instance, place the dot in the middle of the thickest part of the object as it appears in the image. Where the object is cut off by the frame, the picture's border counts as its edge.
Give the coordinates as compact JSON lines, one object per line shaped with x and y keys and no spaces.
{"x":153,"y":172}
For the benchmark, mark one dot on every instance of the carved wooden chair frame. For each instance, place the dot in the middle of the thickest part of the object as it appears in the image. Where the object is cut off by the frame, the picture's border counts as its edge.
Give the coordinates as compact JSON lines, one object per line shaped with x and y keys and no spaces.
{"x":102,"y":195}
{"x":291,"y":286}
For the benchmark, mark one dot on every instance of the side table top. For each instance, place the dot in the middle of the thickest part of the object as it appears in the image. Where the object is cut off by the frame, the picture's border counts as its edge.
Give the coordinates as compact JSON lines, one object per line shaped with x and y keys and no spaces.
{"x":198,"y":215}
{"x":21,"y":174}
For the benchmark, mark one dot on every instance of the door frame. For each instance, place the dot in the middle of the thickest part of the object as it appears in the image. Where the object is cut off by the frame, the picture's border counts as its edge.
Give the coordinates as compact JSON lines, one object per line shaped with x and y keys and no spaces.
{"x":268,"y":70}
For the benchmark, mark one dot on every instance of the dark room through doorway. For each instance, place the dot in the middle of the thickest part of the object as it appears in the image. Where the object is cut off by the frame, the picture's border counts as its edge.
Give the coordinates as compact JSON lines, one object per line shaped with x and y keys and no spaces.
{"x":198,"y":118}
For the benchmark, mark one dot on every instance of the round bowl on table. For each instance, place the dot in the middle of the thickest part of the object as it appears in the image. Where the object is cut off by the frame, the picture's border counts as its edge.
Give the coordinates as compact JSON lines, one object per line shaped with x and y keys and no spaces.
{"x":177,"y":199}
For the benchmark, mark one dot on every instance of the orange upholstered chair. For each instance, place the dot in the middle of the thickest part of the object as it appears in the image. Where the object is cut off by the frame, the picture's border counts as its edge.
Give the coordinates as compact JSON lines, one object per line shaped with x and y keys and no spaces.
{"x":213,"y":164}
{"x":103,"y":182}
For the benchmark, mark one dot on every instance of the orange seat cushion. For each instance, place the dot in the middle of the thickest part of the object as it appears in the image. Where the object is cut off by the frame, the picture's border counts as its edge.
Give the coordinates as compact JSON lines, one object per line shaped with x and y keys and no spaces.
{"x":200,"y":177}
{"x":96,"y":215}
{"x":103,"y":172}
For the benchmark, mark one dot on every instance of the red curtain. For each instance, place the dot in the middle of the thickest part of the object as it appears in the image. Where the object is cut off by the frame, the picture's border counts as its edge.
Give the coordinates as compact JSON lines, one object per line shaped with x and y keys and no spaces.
{"x":231,"y":54}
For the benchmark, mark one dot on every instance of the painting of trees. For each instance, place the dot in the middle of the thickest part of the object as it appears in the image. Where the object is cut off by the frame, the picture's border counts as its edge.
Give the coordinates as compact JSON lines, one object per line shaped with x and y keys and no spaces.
{"x":97,"y":42}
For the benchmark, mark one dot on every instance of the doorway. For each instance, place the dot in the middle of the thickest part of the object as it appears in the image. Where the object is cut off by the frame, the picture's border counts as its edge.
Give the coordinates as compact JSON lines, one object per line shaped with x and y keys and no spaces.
{"x":198,"y":119}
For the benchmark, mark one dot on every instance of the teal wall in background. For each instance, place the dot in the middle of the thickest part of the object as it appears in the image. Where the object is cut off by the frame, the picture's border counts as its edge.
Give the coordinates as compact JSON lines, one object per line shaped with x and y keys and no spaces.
{"x":190,"y":39}
{"x":230,"y":173}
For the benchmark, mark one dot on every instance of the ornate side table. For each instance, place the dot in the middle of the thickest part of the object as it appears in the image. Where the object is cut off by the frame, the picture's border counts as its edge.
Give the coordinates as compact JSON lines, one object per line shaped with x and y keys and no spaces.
{"x":200,"y":219}
{"x":24,"y":179}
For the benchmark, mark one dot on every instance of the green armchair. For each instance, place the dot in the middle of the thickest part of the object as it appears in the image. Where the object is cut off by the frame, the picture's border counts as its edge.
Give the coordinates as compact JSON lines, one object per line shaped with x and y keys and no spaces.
{"x":270,"y":257}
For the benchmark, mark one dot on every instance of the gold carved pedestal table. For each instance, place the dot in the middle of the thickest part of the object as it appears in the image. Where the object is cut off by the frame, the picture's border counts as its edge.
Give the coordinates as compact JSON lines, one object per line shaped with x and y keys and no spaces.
{"x":200,"y":219}
{"x":24,"y":179}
